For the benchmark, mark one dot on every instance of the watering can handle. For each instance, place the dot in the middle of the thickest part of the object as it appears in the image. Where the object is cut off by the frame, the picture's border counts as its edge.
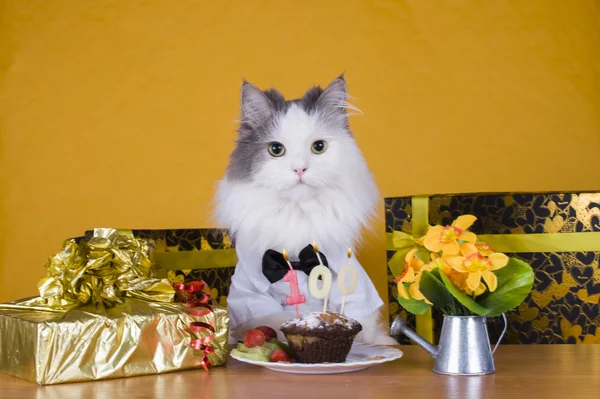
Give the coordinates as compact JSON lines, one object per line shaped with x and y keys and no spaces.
{"x":501,"y":335}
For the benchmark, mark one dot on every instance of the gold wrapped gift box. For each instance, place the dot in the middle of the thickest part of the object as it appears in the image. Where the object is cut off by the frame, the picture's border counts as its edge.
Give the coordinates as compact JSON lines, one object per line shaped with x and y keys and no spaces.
{"x":134,"y":338}
{"x":102,"y":313}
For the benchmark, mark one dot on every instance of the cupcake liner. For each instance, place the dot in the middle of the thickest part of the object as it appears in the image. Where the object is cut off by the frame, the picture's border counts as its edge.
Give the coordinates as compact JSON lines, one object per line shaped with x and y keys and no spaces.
{"x":310,"y":349}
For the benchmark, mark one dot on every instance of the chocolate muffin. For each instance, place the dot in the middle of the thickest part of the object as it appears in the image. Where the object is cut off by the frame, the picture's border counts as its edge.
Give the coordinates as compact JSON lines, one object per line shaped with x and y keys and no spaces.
{"x":321,"y":337}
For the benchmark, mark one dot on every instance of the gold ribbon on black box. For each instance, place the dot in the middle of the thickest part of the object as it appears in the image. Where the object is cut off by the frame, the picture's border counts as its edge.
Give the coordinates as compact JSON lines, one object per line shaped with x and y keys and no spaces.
{"x":102,"y":314}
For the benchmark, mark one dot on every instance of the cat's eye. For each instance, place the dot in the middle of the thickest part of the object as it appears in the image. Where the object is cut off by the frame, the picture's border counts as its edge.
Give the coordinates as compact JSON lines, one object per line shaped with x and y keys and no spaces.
{"x":319,"y":146}
{"x":276,"y":149}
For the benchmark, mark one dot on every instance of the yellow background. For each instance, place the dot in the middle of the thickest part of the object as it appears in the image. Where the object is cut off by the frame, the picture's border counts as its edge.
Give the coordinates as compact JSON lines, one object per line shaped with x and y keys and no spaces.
{"x":121,"y":114}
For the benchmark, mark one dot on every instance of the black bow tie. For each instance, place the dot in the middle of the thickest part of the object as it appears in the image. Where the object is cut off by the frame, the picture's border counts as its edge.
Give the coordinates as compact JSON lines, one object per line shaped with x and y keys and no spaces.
{"x":275,"y":267}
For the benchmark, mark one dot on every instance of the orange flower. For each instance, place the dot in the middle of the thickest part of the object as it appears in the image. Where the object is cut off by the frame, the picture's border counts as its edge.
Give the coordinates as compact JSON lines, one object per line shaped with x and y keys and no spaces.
{"x":446,"y":239}
{"x":412,"y":261}
{"x":478,"y":267}
{"x":484,"y":249}
{"x":413,"y":267}
{"x":443,"y":264}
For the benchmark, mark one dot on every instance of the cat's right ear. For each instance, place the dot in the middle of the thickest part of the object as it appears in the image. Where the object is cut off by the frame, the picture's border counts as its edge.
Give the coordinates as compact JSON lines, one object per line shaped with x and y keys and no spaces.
{"x":256,"y":107}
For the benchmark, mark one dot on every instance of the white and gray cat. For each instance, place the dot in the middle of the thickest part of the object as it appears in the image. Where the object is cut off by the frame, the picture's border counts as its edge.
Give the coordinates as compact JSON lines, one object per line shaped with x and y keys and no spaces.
{"x":296,"y":175}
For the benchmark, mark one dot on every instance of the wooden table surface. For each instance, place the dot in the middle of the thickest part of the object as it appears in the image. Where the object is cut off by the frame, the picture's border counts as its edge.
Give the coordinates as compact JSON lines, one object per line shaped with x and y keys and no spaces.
{"x":523,"y":371}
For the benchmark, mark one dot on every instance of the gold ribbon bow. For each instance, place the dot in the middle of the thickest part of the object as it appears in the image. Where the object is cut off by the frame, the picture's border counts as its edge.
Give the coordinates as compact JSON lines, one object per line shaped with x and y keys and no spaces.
{"x":112,"y":265}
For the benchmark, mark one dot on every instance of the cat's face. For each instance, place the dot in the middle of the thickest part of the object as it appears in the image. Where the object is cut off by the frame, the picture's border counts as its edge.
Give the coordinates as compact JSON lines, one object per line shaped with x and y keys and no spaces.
{"x":296,"y":174}
{"x":294,"y":147}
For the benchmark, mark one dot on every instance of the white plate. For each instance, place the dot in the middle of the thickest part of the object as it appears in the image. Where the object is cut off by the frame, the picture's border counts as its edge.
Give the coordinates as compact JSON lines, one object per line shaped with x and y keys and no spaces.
{"x":361,"y":356}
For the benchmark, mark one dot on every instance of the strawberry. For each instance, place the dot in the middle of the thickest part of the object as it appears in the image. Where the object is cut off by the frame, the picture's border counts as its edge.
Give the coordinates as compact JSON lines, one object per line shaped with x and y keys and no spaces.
{"x":268,"y":331}
{"x":279,"y":355}
{"x":254,"y":338}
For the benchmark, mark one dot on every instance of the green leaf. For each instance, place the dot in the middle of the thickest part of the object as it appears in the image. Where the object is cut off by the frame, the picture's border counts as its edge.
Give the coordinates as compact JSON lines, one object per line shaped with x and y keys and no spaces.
{"x":412,"y":305}
{"x":434,"y":290}
{"x":515,"y":281}
{"x":436,"y":273}
{"x":463,"y":298}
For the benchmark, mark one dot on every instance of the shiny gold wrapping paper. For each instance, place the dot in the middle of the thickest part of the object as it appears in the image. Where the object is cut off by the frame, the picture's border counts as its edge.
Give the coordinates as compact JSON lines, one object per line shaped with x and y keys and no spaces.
{"x":136,"y":337}
{"x":102,"y":313}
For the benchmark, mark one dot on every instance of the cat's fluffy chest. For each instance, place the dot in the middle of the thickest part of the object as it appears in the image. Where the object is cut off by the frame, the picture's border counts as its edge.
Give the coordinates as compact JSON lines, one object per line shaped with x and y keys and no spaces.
{"x":270,"y":222}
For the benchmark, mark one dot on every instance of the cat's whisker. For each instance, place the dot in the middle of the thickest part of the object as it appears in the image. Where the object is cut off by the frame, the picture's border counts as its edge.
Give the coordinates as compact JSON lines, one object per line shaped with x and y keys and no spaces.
{"x":349,"y":106}
{"x":355,"y":114}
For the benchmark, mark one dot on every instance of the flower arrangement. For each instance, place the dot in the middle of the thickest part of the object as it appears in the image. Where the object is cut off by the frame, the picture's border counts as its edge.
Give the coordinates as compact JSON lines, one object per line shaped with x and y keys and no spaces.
{"x":448,"y":268}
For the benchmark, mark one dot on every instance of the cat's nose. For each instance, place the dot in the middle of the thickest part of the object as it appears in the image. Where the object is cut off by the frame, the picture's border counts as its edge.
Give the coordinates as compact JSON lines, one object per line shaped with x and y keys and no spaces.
{"x":300,"y":171}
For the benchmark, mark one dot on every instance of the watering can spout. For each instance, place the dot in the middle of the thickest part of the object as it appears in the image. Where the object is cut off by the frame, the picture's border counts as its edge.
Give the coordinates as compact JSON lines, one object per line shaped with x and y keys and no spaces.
{"x":400,"y":327}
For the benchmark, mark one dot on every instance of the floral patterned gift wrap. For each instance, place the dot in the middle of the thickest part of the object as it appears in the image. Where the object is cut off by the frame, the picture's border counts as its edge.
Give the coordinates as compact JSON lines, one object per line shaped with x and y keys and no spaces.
{"x":558,"y":234}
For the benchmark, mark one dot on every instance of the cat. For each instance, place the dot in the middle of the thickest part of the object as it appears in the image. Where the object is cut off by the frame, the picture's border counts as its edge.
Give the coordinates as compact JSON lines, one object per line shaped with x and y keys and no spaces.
{"x":296,"y":175}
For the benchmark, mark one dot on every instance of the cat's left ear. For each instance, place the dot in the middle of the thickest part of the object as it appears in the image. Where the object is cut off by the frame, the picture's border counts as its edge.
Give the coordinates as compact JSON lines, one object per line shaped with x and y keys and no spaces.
{"x":333,"y":100}
{"x":256,"y":107}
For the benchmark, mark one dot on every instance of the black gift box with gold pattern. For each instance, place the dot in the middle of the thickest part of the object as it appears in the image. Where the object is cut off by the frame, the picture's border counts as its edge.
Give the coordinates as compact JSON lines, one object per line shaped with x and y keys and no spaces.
{"x":183,"y":255}
{"x":558,"y":234}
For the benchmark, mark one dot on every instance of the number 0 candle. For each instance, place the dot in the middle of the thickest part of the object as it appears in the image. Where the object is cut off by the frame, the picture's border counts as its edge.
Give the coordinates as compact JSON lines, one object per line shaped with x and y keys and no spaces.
{"x":313,"y":285}
{"x":323,"y":272}
{"x":347,"y":269}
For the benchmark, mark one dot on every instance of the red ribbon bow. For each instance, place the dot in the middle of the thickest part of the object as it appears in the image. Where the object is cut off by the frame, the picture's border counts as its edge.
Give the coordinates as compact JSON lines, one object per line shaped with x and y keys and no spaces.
{"x":194,"y":296}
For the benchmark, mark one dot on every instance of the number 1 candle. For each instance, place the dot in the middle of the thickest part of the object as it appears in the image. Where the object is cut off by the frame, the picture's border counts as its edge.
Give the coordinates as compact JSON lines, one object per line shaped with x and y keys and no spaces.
{"x":292,"y":277}
{"x":341,"y":281}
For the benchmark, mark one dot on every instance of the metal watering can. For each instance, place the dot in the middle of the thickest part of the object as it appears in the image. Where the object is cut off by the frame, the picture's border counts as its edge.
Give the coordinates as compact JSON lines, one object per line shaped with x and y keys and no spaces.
{"x":464,"y":347}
